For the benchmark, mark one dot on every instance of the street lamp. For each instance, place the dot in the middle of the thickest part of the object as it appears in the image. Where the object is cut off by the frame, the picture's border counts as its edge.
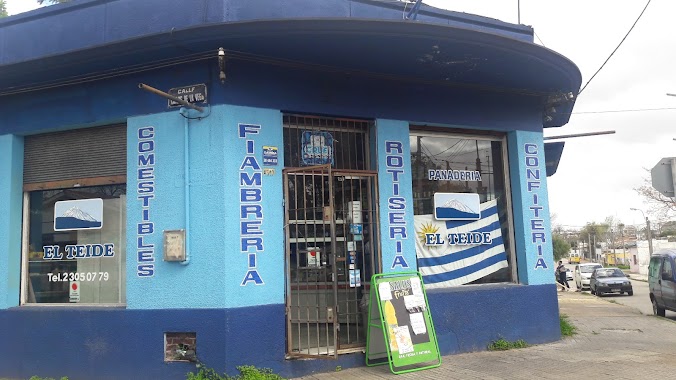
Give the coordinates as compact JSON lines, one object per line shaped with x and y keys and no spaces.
{"x":648,"y":234}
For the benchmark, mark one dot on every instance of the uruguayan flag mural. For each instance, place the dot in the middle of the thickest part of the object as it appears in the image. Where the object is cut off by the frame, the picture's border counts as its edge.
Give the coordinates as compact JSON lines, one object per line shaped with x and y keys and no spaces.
{"x":455,"y":252}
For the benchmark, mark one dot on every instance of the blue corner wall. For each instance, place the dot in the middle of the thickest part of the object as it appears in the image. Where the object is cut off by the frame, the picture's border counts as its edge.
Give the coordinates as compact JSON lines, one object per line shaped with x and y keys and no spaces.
{"x":468,"y":319}
{"x":215,"y":273}
{"x":255,"y":254}
{"x":532,"y":228}
{"x":131,"y":345}
{"x":11,"y":200}
{"x":112,"y":344}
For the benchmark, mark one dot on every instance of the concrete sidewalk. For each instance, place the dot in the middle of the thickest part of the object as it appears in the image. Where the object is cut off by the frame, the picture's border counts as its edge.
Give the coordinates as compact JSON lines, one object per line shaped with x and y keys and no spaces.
{"x":612,"y":342}
{"x":638,"y":277}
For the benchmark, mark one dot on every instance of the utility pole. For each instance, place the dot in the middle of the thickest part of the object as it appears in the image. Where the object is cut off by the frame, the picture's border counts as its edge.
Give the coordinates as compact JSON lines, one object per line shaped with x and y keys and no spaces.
{"x":648,"y":232}
{"x":649,"y":235}
{"x":624,"y":247}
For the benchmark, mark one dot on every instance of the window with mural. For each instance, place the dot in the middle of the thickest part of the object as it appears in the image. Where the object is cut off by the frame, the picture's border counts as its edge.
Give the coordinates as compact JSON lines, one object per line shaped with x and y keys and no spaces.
{"x":461,"y":206}
{"x":76,"y":245}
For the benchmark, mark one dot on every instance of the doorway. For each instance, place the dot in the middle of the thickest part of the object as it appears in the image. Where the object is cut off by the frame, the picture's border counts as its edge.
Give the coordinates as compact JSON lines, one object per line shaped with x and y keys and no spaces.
{"x":331,"y":227}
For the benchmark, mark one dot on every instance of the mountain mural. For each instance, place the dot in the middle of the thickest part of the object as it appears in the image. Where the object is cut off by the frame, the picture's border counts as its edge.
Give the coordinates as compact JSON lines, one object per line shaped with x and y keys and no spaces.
{"x":75,"y":219}
{"x":454,"y":209}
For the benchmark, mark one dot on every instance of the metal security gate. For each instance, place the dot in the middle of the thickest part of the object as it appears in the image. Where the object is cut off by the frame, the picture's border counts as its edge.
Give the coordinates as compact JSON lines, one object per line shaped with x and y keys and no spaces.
{"x":101,"y":158}
{"x":331,"y":253}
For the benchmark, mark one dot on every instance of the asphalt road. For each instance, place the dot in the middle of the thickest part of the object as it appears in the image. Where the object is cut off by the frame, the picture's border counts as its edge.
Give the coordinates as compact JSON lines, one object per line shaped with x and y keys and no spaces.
{"x":640,"y":300}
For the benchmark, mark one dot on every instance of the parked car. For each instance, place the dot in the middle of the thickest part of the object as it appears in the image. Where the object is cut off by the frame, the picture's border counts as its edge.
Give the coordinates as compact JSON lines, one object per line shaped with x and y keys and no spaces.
{"x":661,"y":281}
{"x":583,"y":272}
{"x":609,"y":280}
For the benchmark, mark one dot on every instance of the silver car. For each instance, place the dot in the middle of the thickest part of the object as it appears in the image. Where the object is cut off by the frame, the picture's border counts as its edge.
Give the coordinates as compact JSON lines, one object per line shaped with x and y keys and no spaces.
{"x":582,"y":274}
{"x":610,"y":280}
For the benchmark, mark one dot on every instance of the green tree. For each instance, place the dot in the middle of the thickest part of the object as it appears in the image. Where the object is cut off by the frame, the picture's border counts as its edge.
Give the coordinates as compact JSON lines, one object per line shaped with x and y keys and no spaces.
{"x":593,"y":233}
{"x":660,"y":206}
{"x":3,"y":9}
{"x":561,"y":248}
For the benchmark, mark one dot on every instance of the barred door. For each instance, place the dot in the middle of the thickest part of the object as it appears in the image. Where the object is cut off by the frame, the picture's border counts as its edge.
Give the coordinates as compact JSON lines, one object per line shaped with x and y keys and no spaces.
{"x":331,"y":227}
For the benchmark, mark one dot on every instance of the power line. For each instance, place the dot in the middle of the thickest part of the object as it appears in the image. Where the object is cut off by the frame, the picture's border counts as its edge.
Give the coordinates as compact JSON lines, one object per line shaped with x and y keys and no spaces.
{"x":618,"y":46}
{"x":538,"y":37}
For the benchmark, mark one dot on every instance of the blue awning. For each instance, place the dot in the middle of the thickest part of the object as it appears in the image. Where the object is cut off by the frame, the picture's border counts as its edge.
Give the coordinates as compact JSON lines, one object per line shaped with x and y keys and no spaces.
{"x":356,"y":36}
{"x":553,"y":152}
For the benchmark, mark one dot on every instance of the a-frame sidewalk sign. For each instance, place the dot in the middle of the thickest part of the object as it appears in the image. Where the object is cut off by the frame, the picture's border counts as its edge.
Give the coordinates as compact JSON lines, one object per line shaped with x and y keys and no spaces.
{"x":400,"y":328}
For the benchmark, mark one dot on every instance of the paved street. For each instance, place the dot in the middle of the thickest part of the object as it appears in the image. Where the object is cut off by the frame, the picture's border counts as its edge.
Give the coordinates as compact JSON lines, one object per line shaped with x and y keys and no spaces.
{"x":614,"y":341}
{"x":640,"y":300}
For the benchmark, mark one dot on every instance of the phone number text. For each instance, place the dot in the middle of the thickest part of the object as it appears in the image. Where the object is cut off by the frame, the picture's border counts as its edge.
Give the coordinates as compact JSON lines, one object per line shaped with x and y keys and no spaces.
{"x":78,"y":276}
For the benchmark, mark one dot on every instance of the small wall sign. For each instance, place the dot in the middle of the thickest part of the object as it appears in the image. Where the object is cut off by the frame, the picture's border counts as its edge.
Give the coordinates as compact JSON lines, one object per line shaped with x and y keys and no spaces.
{"x":317,"y":148}
{"x":270,"y":155}
{"x":196,"y":93}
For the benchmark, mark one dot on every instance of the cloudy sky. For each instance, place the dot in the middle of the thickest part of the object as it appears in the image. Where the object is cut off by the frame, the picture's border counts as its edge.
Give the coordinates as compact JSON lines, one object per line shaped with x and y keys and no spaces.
{"x":597,"y":175}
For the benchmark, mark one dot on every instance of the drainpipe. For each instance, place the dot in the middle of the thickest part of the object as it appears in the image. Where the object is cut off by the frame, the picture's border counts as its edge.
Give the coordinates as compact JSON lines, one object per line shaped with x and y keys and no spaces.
{"x":186,"y":180}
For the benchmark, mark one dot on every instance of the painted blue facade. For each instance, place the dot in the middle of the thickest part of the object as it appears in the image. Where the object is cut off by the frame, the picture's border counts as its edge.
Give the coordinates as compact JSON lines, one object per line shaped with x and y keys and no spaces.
{"x":214,"y":190}
{"x":531,"y":207}
{"x":396,"y":194}
{"x":206,"y":172}
{"x":11,"y":172}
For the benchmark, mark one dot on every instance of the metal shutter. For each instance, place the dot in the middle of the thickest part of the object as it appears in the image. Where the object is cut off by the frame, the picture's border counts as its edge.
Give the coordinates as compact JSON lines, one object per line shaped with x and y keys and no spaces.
{"x":76,"y":154}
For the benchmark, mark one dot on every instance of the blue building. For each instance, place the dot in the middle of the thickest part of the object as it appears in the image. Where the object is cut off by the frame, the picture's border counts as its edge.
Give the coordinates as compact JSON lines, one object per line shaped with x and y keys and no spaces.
{"x":334,"y":140}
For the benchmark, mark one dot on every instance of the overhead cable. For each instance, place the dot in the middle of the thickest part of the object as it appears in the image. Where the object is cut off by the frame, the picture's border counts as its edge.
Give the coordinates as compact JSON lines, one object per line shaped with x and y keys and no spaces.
{"x":618,"y":46}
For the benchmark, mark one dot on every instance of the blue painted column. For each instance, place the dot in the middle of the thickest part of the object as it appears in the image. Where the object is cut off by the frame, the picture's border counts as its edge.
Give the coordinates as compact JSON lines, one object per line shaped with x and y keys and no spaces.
{"x":395,"y":193}
{"x":254,"y":232}
{"x":11,"y":200}
{"x":236,"y":246}
{"x":532,"y":228}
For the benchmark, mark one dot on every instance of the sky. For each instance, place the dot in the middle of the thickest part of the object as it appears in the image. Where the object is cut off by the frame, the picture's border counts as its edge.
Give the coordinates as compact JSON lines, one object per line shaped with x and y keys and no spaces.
{"x":597,"y":175}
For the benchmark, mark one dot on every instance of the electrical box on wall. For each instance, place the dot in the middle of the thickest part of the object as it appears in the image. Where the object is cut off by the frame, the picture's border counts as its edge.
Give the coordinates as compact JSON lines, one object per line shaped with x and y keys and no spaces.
{"x":174,"y":245}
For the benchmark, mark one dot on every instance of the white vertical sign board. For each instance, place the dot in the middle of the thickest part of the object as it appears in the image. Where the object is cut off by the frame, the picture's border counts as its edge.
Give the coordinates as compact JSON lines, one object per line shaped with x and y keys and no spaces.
{"x":74,"y":291}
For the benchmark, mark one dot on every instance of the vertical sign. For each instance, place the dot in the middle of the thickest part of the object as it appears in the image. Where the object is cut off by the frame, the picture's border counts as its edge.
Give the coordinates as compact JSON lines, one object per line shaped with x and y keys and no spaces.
{"x":537,"y":208}
{"x":74,"y":291}
{"x":396,"y":204}
{"x":251,"y":205}
{"x":145,"y":189}
{"x":405,"y":324}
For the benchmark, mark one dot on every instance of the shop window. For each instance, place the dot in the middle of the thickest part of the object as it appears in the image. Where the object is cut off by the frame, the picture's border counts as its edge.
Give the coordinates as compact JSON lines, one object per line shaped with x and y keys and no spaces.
{"x":461,"y":204}
{"x":312,"y":140}
{"x":76,"y":245}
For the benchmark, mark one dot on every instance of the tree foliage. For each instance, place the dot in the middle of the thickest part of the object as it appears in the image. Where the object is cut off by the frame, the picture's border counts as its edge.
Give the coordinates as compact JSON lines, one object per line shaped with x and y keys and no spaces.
{"x":593,"y":233}
{"x":660,"y":206}
{"x":561,"y":247}
{"x":3,"y":9}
